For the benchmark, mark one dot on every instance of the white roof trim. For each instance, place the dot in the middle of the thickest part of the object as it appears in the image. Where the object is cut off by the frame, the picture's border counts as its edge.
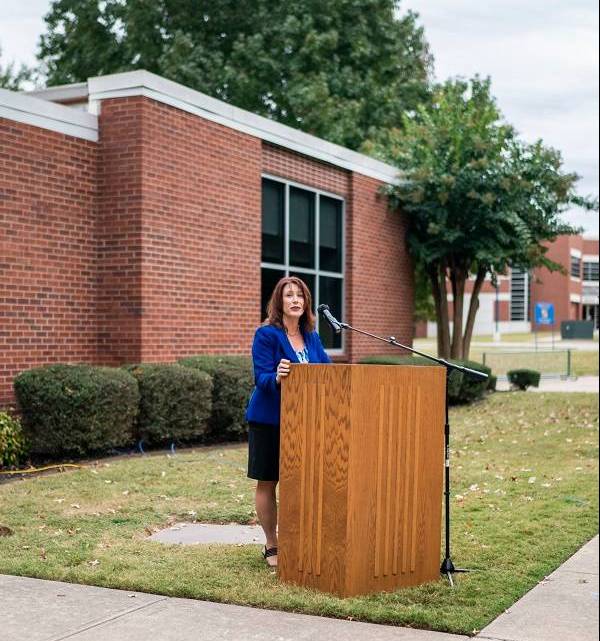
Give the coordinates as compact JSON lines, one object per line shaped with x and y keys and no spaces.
{"x":144,"y":83}
{"x":48,"y":115}
{"x":62,"y":93}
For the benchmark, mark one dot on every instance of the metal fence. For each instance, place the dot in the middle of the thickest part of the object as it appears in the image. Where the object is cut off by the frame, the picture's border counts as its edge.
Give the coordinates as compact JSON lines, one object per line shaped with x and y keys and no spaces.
{"x":550,"y":363}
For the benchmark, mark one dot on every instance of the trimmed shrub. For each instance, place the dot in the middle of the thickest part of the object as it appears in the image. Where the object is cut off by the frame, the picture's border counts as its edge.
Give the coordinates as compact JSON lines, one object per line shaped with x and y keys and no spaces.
{"x":492,"y":382}
{"x":461,"y":389}
{"x":12,"y":441}
{"x":523,"y":378}
{"x":470,"y":389}
{"x":233,"y":381}
{"x":77,"y":409}
{"x":175,"y":402}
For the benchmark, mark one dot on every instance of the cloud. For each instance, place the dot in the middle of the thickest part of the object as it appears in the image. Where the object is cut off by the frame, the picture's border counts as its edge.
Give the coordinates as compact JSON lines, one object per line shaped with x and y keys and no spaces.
{"x":21,"y":24}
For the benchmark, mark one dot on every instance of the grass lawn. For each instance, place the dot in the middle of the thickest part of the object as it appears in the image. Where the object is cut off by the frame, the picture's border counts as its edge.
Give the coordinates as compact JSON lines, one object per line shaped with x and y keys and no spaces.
{"x":585,"y":363}
{"x":524,"y":499}
{"x":582,"y":363}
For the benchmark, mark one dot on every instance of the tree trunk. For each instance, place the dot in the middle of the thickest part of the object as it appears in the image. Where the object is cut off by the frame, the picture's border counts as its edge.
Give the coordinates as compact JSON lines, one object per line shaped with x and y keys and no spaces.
{"x":473,"y":307}
{"x":445,"y":353}
{"x":437,"y":276}
{"x":459,"y":277}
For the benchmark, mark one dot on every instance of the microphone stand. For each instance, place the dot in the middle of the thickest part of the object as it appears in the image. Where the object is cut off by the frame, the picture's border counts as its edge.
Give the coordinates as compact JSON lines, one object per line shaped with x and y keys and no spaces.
{"x":447,"y":566}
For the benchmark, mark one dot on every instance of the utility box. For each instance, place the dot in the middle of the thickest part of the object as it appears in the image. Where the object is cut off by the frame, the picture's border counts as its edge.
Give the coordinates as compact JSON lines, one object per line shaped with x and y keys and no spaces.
{"x":577,"y":329}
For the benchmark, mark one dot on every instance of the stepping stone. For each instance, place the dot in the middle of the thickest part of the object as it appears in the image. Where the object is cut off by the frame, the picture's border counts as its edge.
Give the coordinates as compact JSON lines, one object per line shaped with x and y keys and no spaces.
{"x":203,"y":533}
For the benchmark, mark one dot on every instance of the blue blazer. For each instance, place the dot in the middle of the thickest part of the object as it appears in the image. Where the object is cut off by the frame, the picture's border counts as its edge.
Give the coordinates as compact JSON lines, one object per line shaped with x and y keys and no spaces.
{"x":270,"y":345}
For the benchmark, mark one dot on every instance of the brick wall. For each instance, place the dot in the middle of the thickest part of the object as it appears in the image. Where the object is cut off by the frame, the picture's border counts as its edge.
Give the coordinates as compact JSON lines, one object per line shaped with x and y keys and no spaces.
{"x":591,"y":246}
{"x":201,"y":235}
{"x":556,"y":287}
{"x":47,"y":250}
{"x":119,"y":231}
{"x":145,"y":246}
{"x":379,"y":293}
{"x":292,"y":166}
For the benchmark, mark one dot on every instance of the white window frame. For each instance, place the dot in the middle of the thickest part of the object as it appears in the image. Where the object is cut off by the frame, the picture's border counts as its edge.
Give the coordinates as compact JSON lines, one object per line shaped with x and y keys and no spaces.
{"x":575,"y":253}
{"x":316,"y":272}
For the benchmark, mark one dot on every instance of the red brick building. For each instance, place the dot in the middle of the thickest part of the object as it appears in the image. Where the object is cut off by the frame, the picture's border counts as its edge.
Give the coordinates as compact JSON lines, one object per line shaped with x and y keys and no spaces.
{"x":140,"y":220}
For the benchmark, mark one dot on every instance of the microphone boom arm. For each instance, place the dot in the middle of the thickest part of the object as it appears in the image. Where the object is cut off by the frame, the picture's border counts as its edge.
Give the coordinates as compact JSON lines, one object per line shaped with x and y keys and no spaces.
{"x":391,"y":340}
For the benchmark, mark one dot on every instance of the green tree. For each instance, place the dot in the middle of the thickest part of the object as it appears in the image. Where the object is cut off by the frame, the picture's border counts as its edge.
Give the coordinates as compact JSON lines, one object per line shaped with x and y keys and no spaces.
{"x":344,"y":70}
{"x":424,"y":303}
{"x":478,"y":199}
{"x":11,"y":78}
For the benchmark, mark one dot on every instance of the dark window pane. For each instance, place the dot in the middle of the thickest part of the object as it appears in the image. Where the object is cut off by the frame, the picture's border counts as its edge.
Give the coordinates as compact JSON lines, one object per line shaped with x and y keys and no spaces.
{"x":590,"y":270}
{"x":575,"y":266}
{"x":302,"y":228}
{"x":269,"y":278}
{"x":309,"y":280}
{"x":273,"y":194}
{"x":330,"y":234}
{"x":330,"y":293}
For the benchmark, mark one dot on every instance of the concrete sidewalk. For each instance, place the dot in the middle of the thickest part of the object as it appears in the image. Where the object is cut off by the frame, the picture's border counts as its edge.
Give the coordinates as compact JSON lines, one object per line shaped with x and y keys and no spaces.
{"x":581,"y":384}
{"x":35,"y":610}
{"x":544,"y":343}
{"x":563,"y":607}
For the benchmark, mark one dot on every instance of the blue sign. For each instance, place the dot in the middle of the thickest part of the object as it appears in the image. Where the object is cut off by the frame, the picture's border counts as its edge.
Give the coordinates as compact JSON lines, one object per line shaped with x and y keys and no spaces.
{"x":544,"y":314}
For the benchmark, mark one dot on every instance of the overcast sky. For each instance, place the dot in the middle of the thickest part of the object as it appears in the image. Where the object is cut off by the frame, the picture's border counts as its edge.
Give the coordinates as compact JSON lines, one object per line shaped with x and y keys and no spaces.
{"x":542,"y":56}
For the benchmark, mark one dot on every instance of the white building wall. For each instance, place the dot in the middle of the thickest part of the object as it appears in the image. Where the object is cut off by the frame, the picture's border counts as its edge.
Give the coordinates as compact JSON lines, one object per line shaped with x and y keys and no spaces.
{"x":484,"y":320}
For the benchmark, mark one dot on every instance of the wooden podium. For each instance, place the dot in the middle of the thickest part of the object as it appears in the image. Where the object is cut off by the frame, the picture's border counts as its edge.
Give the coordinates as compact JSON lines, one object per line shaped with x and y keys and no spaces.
{"x":361,"y":471}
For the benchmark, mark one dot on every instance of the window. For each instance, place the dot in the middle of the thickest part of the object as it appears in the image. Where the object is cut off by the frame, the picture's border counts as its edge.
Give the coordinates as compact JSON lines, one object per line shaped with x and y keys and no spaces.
{"x":575,"y":266}
{"x":590,"y":270}
{"x":302,"y":235}
{"x":272,"y":222}
{"x":519,"y":294}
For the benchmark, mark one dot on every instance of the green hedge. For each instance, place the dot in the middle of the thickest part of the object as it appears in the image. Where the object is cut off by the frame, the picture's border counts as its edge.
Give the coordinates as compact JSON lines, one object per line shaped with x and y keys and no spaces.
{"x":524,"y":378}
{"x":461,"y":389}
{"x":471,"y":389}
{"x":77,"y":409}
{"x":175,"y":402}
{"x":233,"y":381}
{"x":13,"y":447}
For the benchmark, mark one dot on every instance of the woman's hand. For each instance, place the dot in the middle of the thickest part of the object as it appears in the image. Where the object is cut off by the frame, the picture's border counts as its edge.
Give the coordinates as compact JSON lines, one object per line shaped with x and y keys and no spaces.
{"x":283,"y":369}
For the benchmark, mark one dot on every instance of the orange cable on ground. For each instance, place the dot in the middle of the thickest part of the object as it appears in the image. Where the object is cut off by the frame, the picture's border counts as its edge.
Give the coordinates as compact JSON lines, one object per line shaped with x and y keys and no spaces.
{"x":41,"y":469}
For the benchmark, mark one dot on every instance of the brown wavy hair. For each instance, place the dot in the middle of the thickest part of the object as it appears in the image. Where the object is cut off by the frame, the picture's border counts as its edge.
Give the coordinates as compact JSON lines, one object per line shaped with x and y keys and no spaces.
{"x":275,"y":305}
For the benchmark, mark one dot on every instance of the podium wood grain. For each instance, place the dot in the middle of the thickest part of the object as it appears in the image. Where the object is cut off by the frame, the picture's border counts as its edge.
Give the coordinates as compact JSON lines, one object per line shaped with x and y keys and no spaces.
{"x":361,"y":472}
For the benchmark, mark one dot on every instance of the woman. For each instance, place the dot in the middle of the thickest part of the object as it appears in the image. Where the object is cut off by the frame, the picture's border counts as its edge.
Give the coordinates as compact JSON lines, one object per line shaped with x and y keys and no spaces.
{"x":287,"y":336}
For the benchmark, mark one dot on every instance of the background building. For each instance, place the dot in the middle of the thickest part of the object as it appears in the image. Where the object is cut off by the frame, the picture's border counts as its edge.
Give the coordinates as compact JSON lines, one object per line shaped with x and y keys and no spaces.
{"x":510,"y":308}
{"x":141,"y":220}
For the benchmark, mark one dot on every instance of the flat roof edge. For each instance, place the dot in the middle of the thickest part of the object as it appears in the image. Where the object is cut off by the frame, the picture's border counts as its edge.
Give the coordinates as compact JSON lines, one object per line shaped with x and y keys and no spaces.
{"x":133,"y":83}
{"x":59,"y":93}
{"x":34,"y":111}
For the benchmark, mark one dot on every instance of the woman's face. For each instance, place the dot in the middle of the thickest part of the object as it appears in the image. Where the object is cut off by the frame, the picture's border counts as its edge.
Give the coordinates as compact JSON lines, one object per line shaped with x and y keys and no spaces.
{"x":293,"y":302}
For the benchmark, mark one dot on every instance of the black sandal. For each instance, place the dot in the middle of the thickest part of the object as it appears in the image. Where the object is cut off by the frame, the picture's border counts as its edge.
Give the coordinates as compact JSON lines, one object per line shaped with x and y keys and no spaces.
{"x":269,"y":552}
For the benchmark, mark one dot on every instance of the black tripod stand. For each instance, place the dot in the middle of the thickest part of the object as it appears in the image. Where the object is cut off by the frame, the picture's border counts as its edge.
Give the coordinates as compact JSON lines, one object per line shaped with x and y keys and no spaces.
{"x":447,"y":566}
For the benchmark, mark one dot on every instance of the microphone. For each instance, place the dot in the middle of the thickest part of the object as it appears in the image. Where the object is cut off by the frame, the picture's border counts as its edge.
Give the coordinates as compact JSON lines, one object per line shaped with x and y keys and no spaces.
{"x":323,"y":310}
